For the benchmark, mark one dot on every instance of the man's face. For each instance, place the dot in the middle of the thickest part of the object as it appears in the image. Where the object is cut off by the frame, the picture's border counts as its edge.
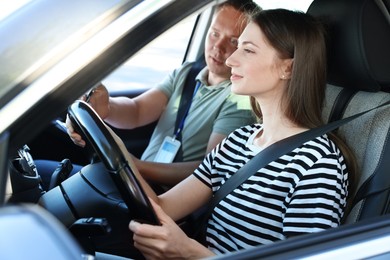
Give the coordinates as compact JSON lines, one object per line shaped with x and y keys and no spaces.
{"x":222,"y":40}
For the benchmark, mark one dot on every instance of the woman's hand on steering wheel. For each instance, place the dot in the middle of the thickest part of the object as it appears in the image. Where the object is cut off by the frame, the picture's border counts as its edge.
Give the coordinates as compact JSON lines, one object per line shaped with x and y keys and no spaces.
{"x":166,"y":241}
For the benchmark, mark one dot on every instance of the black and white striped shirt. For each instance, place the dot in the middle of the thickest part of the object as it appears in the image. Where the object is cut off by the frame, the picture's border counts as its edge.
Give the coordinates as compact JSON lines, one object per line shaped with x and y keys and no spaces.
{"x":303,"y":191}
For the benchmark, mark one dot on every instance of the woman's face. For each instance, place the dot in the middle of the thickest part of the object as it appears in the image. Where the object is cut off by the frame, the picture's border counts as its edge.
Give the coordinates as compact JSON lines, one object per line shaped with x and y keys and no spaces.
{"x":255,"y":66}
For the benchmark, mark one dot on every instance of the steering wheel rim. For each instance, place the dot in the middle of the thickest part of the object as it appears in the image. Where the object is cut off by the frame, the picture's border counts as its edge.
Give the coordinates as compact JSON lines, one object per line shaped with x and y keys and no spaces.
{"x":94,"y":131}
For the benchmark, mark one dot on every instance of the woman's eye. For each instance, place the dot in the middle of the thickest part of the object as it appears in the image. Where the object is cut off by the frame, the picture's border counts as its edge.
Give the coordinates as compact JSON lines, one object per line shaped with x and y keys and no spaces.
{"x":248,"y":51}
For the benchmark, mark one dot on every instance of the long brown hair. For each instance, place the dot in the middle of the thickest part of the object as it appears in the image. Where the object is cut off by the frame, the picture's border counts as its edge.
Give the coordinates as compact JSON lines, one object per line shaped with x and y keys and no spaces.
{"x":301,"y":37}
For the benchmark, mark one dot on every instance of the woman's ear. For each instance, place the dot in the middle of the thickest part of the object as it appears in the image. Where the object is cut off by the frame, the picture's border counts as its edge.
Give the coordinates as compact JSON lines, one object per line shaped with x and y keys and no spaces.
{"x":286,"y":68}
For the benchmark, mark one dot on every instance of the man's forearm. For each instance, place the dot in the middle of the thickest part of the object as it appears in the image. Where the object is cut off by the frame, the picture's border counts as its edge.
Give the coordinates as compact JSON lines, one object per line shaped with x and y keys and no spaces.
{"x":166,"y":173}
{"x":122,"y":113}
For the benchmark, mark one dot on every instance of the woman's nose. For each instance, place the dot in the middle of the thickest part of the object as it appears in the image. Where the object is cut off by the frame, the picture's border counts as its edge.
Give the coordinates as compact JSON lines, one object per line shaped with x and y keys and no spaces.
{"x":230,"y":61}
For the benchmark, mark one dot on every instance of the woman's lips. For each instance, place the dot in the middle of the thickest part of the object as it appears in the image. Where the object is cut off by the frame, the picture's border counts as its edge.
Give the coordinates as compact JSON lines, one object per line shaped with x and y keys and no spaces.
{"x":234,"y":77}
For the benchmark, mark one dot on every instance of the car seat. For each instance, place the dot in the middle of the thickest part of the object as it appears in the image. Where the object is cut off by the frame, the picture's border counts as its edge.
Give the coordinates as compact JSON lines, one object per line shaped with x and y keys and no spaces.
{"x":359,"y":79}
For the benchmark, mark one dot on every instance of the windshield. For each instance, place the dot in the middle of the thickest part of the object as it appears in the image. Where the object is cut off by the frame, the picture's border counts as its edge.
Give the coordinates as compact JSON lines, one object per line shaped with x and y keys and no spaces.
{"x":53,"y":29}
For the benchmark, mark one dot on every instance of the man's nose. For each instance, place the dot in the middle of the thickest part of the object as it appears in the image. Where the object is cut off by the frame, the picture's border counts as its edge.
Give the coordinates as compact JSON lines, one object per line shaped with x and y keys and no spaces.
{"x":220,"y":44}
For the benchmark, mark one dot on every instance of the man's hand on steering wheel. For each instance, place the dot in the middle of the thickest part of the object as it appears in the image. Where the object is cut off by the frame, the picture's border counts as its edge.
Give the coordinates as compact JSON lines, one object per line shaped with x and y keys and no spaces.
{"x":98,"y":99}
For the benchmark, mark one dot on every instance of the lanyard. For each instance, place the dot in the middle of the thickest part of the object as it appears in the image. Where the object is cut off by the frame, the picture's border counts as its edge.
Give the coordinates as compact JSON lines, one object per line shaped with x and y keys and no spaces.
{"x":181,"y":125}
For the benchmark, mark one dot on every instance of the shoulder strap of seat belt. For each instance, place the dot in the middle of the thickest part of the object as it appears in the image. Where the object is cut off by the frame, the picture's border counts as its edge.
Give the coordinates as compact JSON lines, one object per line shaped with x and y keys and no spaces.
{"x":272,"y":153}
{"x":186,"y":96}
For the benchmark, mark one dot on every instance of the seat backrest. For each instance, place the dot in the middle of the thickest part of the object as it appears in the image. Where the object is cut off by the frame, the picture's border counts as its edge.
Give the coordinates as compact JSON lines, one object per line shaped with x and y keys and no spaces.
{"x":359,"y":79}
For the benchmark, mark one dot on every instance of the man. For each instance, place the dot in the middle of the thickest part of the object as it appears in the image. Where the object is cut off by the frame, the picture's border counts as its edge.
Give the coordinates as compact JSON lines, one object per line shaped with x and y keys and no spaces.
{"x":214,"y":111}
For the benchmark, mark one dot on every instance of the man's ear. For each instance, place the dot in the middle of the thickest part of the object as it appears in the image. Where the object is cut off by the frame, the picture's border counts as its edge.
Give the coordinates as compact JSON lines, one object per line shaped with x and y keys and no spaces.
{"x":286,"y":68}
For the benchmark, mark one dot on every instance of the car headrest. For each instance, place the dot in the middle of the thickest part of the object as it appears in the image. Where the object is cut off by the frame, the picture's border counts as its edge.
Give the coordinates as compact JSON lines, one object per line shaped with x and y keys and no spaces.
{"x":358,"y":42}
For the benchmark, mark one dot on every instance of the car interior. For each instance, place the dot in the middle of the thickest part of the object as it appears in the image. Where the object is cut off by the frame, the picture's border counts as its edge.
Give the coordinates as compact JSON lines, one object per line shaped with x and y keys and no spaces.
{"x":358,"y":40}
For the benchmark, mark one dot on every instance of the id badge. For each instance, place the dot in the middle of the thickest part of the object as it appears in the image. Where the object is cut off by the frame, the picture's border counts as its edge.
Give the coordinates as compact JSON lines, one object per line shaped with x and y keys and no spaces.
{"x":168,"y":150}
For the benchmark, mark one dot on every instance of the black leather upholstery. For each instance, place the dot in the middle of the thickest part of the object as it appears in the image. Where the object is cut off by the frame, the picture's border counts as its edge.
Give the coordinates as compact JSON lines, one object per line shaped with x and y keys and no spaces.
{"x":359,"y":42}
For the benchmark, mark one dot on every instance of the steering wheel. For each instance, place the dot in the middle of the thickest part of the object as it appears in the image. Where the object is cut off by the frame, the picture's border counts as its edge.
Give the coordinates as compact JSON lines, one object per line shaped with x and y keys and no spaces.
{"x":94,"y":131}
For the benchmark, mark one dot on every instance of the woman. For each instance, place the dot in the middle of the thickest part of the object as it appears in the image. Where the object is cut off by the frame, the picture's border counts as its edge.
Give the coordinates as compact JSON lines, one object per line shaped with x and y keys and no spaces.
{"x":280,"y":62}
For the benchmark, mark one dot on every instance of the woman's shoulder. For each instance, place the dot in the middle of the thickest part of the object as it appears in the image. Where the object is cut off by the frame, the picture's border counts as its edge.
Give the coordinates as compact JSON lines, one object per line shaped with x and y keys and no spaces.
{"x":319,"y":148}
{"x":324,"y":143}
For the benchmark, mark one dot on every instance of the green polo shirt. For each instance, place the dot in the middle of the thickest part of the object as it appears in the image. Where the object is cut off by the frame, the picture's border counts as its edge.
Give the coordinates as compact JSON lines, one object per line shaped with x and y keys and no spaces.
{"x":214,"y":109}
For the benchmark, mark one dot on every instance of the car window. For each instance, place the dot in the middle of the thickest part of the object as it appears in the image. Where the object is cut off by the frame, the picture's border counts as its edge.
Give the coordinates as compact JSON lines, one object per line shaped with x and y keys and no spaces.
{"x":153,"y":62}
{"x":19,"y":60}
